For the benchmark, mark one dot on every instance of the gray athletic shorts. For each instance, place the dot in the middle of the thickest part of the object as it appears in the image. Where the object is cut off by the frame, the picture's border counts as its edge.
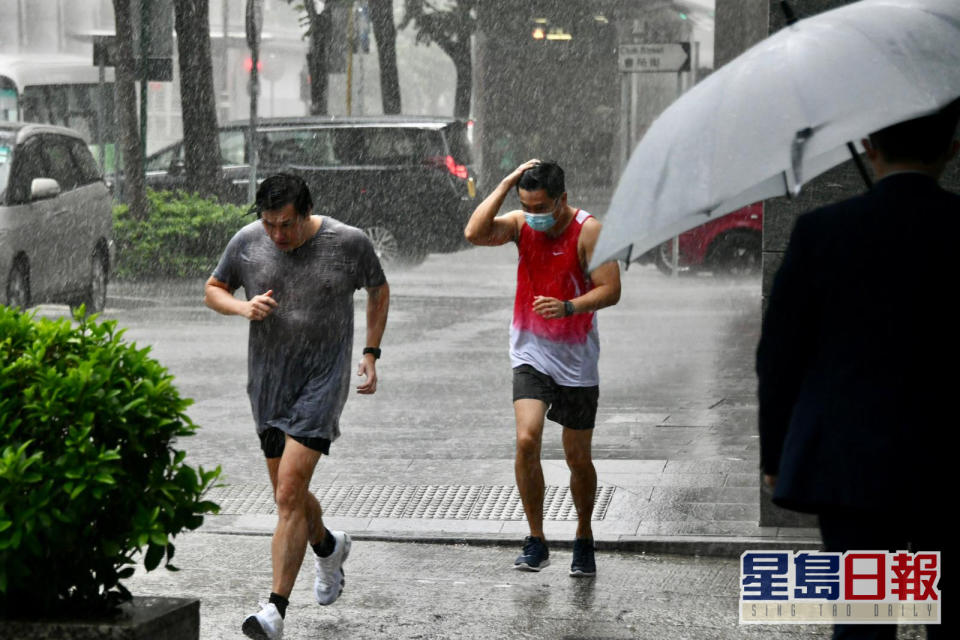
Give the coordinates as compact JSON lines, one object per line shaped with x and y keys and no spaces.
{"x":572,"y":407}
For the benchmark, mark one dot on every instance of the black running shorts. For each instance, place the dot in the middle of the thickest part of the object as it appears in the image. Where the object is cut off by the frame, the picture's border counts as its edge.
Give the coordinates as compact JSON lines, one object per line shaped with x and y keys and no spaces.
{"x":572,"y":407}
{"x":273,"y":439}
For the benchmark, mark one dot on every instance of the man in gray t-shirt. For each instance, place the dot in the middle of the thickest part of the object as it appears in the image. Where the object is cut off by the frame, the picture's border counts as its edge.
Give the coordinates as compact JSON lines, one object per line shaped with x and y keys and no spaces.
{"x":299,"y":273}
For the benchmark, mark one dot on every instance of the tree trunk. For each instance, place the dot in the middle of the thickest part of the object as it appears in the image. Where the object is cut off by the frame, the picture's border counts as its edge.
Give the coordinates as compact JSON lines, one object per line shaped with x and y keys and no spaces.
{"x":385,"y":32}
{"x":320,"y":28}
{"x":134,"y":187}
{"x":201,"y":146}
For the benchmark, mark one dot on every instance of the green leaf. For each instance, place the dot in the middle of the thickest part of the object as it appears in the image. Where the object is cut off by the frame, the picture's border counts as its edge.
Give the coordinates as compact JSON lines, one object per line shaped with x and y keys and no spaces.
{"x":154,"y":555}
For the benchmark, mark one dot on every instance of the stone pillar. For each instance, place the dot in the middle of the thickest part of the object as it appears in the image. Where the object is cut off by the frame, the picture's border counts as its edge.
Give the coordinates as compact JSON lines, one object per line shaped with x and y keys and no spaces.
{"x":779,"y":215}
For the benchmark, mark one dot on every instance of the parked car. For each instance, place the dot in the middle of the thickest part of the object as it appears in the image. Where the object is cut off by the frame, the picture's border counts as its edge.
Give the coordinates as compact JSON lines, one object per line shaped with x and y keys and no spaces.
{"x":408,"y":182}
{"x":55,"y":218}
{"x":728,"y":246}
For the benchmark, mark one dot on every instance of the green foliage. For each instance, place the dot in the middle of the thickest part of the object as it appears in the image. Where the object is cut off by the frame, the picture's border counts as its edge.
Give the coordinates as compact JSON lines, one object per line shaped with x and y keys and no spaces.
{"x":89,"y":476}
{"x":182,"y":236}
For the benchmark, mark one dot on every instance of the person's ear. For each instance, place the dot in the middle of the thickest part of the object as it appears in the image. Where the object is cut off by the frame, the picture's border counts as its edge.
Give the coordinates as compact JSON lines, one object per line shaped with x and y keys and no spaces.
{"x":872,"y":154}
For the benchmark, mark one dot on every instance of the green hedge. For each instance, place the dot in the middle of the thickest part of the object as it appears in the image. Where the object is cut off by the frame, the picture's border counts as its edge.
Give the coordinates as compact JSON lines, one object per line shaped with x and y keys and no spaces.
{"x":183,"y":236}
{"x":89,"y":476}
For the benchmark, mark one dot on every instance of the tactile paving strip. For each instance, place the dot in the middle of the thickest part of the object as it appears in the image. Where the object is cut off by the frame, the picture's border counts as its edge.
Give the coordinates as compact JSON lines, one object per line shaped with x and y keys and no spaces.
{"x":455,"y":502}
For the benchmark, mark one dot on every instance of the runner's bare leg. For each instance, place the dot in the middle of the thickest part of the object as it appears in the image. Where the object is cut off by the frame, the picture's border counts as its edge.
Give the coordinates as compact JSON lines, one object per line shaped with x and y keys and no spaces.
{"x":292,"y":496}
{"x":583,"y":476}
{"x":530,"y":414}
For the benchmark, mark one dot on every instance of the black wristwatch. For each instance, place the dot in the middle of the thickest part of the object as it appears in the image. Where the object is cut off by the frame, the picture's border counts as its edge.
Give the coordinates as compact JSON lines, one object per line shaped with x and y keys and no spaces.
{"x":374,"y":350}
{"x":568,"y":309}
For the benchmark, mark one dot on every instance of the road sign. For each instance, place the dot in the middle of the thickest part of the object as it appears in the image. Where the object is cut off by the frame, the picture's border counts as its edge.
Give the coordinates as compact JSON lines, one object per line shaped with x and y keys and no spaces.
{"x":655,"y":58}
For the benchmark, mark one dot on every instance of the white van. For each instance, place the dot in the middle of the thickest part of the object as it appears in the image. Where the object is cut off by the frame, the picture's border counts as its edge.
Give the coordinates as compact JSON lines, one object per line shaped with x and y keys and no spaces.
{"x":55,"y":219}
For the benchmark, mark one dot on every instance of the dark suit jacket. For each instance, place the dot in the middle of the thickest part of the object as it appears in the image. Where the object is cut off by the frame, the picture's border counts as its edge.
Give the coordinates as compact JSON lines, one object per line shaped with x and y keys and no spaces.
{"x":858,"y":389}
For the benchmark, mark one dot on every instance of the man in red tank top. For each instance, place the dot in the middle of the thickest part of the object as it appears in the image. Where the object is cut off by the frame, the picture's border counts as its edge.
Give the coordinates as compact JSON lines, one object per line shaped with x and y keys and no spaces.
{"x":554,"y":347}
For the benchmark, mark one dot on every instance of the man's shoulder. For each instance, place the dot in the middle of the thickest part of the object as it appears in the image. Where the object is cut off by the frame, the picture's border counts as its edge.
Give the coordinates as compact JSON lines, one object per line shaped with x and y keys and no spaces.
{"x":250,"y":231}
{"x":342,"y":231}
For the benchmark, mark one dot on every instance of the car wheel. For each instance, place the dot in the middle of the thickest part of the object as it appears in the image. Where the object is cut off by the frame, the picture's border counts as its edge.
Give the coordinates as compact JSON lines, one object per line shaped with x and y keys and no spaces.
{"x":385,"y":244}
{"x":389,"y":250}
{"x":18,"y":285}
{"x":96,"y":296}
{"x":736,"y":254}
{"x":663,"y":258}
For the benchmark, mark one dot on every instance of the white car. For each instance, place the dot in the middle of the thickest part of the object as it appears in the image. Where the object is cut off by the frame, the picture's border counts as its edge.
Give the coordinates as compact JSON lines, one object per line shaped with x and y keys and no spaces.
{"x":55,"y":219}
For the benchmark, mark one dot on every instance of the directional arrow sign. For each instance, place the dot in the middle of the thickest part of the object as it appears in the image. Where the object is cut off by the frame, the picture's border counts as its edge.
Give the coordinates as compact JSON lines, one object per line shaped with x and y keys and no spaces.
{"x":653,"y":58}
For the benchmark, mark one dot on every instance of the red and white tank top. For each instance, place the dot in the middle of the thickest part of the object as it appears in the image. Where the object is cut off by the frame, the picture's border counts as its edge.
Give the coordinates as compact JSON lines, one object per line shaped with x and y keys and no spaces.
{"x":566,"y":349}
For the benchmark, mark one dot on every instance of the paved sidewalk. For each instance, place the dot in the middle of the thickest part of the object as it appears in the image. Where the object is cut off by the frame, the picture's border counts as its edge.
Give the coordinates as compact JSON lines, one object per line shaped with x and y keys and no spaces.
{"x":655,"y":506}
{"x":437,"y":592}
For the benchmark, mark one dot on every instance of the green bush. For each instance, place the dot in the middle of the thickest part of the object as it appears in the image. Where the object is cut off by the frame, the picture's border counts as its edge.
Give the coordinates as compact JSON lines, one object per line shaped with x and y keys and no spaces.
{"x":89,"y":476}
{"x":182,"y":237}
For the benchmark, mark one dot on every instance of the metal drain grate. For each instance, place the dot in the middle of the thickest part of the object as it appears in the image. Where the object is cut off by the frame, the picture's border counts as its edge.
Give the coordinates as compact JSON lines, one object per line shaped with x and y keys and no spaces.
{"x":455,"y":502}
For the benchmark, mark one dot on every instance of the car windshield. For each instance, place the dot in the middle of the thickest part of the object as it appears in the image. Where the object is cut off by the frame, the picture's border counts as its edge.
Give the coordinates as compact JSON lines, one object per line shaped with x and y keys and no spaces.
{"x":6,"y":159}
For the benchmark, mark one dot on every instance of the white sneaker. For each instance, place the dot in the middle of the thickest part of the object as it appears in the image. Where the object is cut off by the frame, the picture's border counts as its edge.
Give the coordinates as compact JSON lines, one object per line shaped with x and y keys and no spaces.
{"x":330,"y":580}
{"x":265,"y":624}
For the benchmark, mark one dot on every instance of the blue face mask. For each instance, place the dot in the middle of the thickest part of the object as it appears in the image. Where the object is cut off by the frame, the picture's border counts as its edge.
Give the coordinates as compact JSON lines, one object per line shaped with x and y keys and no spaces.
{"x":540,"y":221}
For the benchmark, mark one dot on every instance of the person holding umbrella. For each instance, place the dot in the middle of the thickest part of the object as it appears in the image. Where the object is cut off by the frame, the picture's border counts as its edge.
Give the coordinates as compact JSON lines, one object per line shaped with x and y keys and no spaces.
{"x":554,"y":346}
{"x":855,"y":394}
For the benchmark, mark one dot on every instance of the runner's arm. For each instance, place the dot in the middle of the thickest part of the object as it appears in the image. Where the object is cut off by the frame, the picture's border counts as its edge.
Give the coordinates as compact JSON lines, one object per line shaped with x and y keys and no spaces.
{"x":378,"y":303}
{"x":605,"y":278}
{"x":484,"y":227}
{"x":219,"y":296}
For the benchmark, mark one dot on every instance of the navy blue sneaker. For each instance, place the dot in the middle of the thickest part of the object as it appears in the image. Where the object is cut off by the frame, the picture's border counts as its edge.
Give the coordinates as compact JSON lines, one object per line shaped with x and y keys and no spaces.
{"x":584,"y":565}
{"x":535,"y":555}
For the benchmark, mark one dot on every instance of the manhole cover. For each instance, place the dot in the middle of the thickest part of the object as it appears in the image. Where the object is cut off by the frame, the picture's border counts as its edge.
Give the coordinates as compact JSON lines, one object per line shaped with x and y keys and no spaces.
{"x":454,"y":502}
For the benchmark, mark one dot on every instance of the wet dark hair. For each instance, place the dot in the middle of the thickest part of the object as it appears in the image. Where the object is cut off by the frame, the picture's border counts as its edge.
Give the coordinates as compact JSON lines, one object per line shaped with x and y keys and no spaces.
{"x":924,"y":139}
{"x":546,"y":175}
{"x":278,"y":191}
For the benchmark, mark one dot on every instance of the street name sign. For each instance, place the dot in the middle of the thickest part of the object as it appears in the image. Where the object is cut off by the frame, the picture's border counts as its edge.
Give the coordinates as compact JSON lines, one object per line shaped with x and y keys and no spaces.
{"x":655,"y":58}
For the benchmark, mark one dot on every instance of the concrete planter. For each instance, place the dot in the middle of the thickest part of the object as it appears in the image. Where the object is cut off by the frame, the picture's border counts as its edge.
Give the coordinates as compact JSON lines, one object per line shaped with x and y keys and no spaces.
{"x":140,"y":619}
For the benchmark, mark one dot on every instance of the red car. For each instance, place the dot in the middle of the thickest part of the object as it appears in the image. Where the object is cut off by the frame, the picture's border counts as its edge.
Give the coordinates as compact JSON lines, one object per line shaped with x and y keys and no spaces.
{"x":729,"y":245}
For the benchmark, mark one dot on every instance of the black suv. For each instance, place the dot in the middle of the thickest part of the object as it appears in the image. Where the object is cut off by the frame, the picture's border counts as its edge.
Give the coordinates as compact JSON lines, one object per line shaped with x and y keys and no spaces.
{"x":406,"y":181}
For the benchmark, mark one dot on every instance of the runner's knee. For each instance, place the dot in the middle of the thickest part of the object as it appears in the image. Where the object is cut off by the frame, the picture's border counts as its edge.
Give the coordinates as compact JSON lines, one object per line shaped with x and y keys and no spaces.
{"x":290,"y":497}
{"x":528,"y":445}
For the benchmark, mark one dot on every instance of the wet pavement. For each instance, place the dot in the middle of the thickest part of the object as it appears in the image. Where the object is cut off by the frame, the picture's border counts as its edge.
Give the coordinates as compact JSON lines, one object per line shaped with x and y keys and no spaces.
{"x":420,"y":591}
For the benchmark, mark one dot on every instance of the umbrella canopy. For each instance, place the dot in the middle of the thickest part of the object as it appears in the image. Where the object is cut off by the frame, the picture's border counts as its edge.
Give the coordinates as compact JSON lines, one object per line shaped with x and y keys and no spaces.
{"x":782,"y":113}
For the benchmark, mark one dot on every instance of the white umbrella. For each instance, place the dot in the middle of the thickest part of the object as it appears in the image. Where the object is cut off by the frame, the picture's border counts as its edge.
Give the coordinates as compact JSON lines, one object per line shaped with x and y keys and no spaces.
{"x":782,"y":113}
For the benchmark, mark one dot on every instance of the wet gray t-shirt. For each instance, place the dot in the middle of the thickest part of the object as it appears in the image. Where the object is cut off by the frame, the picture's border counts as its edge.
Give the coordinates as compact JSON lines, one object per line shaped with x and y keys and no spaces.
{"x":299,"y":357}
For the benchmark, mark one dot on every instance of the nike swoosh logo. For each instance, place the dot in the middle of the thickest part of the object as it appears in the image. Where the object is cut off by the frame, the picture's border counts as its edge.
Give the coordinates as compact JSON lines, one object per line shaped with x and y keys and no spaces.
{"x":558,"y":253}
